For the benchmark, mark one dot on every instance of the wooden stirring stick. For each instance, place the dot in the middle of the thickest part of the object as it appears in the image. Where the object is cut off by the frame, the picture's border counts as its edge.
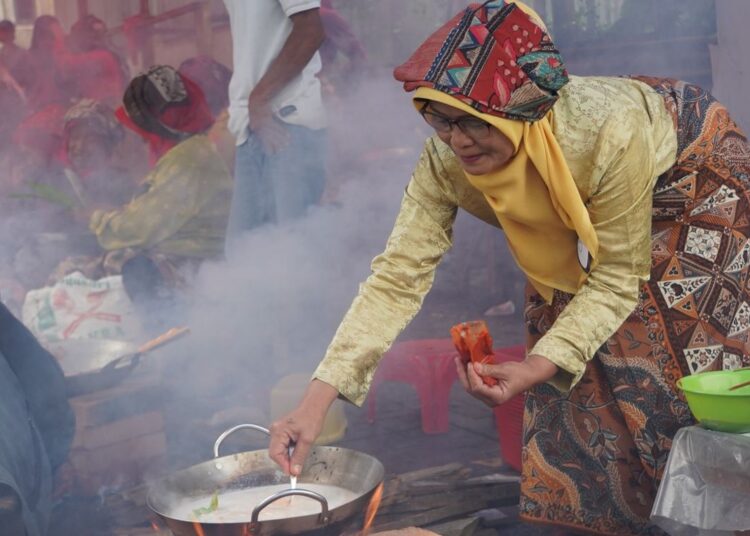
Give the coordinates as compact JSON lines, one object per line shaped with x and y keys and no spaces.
{"x":169,"y":336}
{"x":743,"y":384}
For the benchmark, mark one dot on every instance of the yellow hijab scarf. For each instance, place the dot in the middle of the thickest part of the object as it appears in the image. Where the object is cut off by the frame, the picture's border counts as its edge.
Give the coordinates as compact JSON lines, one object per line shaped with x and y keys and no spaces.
{"x":536,"y":202}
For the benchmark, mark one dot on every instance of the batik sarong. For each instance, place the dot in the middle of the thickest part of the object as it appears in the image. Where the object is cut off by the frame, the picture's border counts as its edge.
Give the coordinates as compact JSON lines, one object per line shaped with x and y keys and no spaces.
{"x":593,"y":458}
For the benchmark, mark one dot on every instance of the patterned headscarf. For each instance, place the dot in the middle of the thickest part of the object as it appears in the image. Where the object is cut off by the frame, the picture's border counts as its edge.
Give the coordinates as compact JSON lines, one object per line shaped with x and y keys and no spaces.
{"x":165,"y":108}
{"x":165,"y":103}
{"x":496,"y":57}
{"x":496,"y":61}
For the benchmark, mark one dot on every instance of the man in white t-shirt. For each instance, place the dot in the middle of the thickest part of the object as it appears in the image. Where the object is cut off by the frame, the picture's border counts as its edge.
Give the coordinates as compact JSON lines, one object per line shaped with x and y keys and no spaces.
{"x":276,"y":110}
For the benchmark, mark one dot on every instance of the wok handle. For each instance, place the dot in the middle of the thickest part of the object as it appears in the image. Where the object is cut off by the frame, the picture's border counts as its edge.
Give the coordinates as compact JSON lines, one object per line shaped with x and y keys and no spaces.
{"x":232,"y":430}
{"x":324,"y":514}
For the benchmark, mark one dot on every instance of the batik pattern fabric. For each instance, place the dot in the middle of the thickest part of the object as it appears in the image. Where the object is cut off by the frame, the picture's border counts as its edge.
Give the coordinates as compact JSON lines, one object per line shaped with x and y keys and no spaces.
{"x":593,"y":459}
{"x":495,"y":58}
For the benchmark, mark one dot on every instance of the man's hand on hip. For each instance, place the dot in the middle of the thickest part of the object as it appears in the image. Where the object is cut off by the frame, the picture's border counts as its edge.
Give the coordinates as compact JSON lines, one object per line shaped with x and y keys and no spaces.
{"x":271,"y":132}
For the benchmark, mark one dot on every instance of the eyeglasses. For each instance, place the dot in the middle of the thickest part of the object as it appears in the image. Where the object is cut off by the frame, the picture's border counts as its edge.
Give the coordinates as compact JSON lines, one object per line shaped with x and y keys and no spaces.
{"x":473,"y":127}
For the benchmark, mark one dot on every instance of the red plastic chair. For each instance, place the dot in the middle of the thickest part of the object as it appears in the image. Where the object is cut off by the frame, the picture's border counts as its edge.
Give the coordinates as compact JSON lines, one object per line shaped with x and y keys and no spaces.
{"x":428,"y":366}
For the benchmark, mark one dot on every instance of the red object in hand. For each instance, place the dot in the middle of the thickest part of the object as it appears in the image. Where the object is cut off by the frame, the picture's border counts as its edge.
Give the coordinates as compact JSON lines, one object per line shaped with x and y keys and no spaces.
{"x":474,"y":344}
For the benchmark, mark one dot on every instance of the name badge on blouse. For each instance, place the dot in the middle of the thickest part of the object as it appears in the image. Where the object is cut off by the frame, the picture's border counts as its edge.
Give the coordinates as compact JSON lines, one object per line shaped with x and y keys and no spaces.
{"x":584,"y":257}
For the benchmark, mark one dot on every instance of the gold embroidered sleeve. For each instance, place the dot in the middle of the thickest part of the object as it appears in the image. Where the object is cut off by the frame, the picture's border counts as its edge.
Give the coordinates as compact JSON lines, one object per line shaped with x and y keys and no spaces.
{"x":401,"y":277}
{"x":174,"y":195}
{"x":620,"y":210}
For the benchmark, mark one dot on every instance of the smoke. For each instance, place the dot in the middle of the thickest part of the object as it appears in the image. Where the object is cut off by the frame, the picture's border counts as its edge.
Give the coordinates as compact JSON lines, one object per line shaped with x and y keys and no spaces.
{"x":271,"y":308}
{"x":273,"y":305}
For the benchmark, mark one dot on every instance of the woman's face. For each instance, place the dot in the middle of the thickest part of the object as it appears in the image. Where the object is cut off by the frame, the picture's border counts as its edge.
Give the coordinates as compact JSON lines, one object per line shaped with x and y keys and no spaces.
{"x":478,"y":154}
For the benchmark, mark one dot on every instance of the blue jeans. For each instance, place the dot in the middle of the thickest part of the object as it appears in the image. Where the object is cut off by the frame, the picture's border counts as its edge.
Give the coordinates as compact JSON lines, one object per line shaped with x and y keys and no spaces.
{"x":272,"y":188}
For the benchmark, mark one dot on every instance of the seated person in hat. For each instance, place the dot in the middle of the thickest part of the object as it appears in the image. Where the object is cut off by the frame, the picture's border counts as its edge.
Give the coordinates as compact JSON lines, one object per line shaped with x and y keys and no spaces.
{"x":180,"y":215}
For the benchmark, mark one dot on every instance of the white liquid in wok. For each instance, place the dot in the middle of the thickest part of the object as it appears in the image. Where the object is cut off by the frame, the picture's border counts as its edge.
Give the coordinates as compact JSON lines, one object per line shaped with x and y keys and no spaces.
{"x":237,"y":506}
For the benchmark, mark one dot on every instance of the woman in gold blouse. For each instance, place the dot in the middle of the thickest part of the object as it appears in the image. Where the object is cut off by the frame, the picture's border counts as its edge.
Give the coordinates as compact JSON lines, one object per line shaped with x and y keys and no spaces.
{"x":626,"y":206}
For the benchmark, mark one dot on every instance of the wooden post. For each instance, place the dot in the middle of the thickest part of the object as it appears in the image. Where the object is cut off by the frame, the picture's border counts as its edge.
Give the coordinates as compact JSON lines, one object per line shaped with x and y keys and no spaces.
{"x":204,"y":35}
{"x":147,"y":46}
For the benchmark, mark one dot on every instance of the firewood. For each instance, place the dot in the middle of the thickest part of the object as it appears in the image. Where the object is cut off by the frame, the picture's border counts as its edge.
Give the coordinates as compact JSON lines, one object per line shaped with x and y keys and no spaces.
{"x":426,"y":510}
{"x":459,"y":527}
{"x":406,"y":531}
{"x":430,"y":473}
{"x":141,"y":531}
{"x":441,"y":495}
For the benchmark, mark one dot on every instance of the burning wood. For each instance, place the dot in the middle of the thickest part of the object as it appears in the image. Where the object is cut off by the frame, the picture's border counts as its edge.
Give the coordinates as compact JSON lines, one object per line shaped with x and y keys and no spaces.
{"x":441,"y":494}
{"x":372,"y":509}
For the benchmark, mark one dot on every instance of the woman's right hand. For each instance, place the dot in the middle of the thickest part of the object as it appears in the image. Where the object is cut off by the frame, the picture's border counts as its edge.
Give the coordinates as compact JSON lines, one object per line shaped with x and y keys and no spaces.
{"x":512,"y":378}
{"x":301,"y":427}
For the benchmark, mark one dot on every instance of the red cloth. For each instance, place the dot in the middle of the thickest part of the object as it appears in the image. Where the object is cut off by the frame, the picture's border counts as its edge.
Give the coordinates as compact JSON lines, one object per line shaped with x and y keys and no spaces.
{"x":157,"y":145}
{"x":474,"y":345}
{"x":193,"y":117}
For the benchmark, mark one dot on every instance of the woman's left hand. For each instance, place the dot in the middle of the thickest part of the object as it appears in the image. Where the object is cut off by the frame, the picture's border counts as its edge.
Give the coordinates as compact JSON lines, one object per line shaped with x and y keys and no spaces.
{"x":513,"y":377}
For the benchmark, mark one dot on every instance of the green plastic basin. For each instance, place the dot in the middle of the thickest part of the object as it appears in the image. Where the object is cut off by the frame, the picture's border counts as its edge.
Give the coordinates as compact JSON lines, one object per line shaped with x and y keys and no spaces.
{"x":714,"y":405}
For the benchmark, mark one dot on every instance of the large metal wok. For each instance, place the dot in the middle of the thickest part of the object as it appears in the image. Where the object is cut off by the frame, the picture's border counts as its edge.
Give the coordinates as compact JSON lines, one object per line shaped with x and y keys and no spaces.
{"x":355,"y":471}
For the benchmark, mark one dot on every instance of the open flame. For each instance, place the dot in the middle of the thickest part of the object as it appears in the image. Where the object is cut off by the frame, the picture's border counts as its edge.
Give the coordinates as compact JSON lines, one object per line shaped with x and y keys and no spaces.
{"x":158,"y":528}
{"x":372,"y":510}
